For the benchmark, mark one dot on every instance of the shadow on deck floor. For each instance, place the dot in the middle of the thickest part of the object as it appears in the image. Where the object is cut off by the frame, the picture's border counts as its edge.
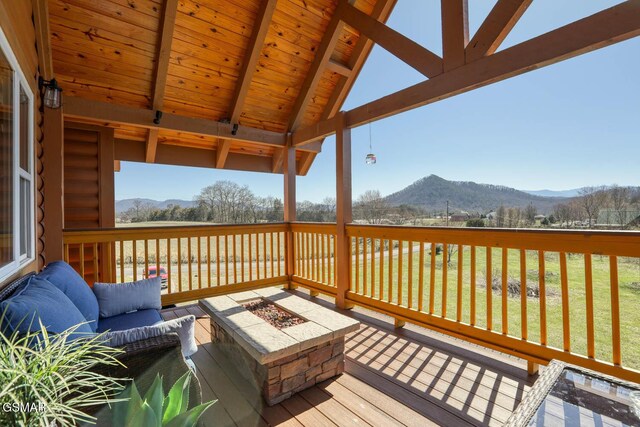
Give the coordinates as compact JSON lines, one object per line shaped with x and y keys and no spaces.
{"x":410,"y":376}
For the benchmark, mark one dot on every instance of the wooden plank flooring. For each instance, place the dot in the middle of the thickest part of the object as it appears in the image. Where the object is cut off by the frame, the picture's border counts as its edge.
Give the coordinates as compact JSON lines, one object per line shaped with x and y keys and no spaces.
{"x":405,"y":377}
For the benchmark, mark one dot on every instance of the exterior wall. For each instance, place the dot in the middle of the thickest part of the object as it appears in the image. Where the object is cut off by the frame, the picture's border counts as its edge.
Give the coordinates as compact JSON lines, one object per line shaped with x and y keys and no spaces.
{"x":17,"y":24}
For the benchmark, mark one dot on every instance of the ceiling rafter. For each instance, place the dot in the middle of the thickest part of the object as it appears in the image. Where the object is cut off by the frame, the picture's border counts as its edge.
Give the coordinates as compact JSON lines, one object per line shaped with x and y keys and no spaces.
{"x":256,"y":43}
{"x":167,"y":27}
{"x":418,"y":57}
{"x":613,"y":25}
{"x":455,"y":32}
{"x":495,"y":28}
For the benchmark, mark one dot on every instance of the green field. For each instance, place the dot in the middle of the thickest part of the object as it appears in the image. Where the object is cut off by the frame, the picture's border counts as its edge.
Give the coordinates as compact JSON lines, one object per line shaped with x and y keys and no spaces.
{"x":629,"y":285}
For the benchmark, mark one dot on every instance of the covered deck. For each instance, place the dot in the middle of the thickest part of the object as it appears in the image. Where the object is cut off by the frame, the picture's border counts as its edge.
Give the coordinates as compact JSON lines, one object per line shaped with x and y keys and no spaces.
{"x":404,"y":377}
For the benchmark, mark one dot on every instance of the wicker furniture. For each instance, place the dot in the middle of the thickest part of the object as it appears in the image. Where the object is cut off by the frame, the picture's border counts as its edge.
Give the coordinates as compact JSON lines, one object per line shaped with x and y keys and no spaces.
{"x":566,"y":394}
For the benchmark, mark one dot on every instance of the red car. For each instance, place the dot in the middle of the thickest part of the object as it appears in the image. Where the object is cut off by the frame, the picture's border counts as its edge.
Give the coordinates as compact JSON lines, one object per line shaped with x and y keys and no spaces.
{"x":153,"y":272}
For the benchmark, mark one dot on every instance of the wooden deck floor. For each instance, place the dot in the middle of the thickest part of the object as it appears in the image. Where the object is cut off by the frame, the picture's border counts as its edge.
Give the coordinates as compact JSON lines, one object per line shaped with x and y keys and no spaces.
{"x":409,"y":377}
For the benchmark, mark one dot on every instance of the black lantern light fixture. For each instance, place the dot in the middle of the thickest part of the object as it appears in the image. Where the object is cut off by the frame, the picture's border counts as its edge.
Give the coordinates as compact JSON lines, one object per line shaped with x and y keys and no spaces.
{"x":52,"y":93}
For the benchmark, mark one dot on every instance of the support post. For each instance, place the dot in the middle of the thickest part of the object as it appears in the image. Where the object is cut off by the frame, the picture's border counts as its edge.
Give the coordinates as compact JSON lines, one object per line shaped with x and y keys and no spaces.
{"x":344,"y":209}
{"x":532,"y":367}
{"x":53,"y":168}
{"x":289,"y":168}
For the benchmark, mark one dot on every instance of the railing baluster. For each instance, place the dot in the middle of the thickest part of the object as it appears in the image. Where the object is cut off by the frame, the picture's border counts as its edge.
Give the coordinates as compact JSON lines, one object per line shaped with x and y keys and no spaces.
{"x":459,"y":290}
{"x":390,"y":290}
{"x":278,"y":243}
{"x":264,"y":254}
{"x":235,"y":259}
{"x":189,"y":270}
{"x":373,"y":267}
{"x":158,"y":257}
{"x":66,"y":253}
{"x":96,"y":277}
{"x":335,"y":261}
{"x":121,"y":261}
{"x":179,"y":266}
{"x":208,"y":260}
{"x":169,"y":266}
{"x":364,"y":265}
{"x":432,"y":280}
{"x":523,"y":294}
{"x":357,"y":272}
{"x":218,"y":274}
{"x":134,"y":260}
{"x":226,"y":259}
{"x":421,"y":278}
{"x":199,"y":263}
{"x":445,"y":272}
{"x":317,"y":257}
{"x":410,"y":276}
{"x":307,"y":244}
{"x":564,"y":283}
{"x":615,"y":310}
{"x":272,"y":252}
{"x":489,"y":290}
{"x":82,"y":260}
{"x":472,"y":279}
{"x":400,"y":277}
{"x":542,"y":290}
{"x":250,"y":244}
{"x":505,"y":291}
{"x":381,"y":275}
{"x":323,"y":244}
{"x":242,"y":257}
{"x":588,"y":290}
{"x":146,"y":259}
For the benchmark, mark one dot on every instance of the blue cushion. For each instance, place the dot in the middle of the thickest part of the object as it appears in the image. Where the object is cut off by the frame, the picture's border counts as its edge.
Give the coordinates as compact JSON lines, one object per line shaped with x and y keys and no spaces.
{"x":119,"y":298}
{"x":40,"y":300}
{"x":130,"y":320}
{"x":65,"y":278}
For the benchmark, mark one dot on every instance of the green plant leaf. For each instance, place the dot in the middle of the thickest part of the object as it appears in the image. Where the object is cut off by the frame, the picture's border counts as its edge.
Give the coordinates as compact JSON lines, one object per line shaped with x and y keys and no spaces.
{"x":155,"y":396}
{"x":144,"y":417}
{"x":135,"y":403}
{"x":120,"y":409}
{"x":177,"y":400}
{"x":189,"y":418}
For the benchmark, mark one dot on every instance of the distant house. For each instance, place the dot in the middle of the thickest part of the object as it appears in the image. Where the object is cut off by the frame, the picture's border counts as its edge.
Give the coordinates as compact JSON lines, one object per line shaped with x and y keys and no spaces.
{"x":614,"y":218}
{"x":460,"y":216}
{"x":539,"y":217}
{"x":492,"y":215}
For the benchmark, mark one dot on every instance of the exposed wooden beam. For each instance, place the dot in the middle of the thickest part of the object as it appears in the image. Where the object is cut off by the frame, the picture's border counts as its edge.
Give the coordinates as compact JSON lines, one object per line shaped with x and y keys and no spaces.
{"x":167,"y":25}
{"x":455,"y":32}
{"x":495,"y":28}
{"x":414,"y":55}
{"x":43,"y":38}
{"x":381,"y":12}
{"x":610,"y":26}
{"x":222,"y":152}
{"x":319,"y":64}
{"x":306,"y":160}
{"x":256,"y":42}
{"x":278,"y":159}
{"x":152,"y":145}
{"x":339,"y":68}
{"x":314,"y":132}
{"x":105,"y":113}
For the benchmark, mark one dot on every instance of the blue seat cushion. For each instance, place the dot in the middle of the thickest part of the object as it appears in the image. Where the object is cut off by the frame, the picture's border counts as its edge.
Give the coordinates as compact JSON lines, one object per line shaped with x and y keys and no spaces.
{"x":134,"y":319}
{"x":39,"y":300}
{"x":65,"y":278}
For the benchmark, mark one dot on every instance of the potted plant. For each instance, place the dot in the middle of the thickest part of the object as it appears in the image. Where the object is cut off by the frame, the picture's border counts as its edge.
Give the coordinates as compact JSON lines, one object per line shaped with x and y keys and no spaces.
{"x":50,"y":380}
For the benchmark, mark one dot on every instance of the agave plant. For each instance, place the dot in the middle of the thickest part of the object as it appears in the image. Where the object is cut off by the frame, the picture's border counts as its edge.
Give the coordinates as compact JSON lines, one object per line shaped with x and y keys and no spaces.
{"x":156,"y":409}
{"x":48,"y":380}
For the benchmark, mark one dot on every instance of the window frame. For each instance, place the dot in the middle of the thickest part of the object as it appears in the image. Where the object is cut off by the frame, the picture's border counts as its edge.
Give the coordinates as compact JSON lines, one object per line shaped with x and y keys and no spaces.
{"x":20,"y":82}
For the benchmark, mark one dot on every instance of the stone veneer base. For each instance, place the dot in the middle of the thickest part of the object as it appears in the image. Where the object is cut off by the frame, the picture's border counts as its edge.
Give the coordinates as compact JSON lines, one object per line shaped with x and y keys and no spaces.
{"x":281,"y":378}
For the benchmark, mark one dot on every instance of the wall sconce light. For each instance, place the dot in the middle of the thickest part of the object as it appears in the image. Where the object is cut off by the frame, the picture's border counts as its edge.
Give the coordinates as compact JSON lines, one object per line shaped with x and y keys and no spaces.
{"x":52,"y":97}
{"x":234,"y":131}
{"x":158,"y":117}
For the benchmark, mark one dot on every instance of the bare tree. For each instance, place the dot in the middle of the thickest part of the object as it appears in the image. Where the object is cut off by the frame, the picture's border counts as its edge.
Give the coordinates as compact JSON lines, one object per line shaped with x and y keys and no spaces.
{"x":592,"y":200}
{"x":501,"y":216}
{"x":530,"y":213}
{"x":619,"y":198}
{"x":371,"y":207}
{"x":563,"y":214}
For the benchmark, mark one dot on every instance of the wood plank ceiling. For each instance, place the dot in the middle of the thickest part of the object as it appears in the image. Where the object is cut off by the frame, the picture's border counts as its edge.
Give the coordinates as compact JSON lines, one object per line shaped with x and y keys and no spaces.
{"x":267,"y":64}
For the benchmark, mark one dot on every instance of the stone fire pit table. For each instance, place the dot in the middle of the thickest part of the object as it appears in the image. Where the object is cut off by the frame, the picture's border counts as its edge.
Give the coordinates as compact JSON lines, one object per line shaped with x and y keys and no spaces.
{"x":281,"y":361}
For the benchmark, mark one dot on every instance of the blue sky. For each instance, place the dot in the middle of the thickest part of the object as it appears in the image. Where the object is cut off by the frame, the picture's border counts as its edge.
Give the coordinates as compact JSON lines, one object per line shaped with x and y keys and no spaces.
{"x":568,"y":125}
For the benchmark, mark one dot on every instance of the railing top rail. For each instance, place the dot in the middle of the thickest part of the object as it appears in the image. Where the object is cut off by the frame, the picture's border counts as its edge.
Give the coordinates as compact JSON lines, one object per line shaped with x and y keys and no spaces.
{"x":618,"y":243}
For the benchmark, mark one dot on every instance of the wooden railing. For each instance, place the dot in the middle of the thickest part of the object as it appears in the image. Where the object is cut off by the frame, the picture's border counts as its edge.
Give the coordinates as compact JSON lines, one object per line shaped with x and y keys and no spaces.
{"x":199,"y":260}
{"x":579,"y":302}
{"x":315,"y":256}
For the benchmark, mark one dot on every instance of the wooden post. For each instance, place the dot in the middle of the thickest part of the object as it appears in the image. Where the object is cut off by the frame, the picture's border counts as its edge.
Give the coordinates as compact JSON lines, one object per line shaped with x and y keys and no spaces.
{"x":53,"y":169}
{"x":289,"y":168}
{"x":344,"y":214}
{"x":532,"y":367}
{"x":106,"y":215}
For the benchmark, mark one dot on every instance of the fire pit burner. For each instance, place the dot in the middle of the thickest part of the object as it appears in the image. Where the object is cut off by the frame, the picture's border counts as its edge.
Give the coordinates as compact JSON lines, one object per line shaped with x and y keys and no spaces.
{"x":273,"y":314}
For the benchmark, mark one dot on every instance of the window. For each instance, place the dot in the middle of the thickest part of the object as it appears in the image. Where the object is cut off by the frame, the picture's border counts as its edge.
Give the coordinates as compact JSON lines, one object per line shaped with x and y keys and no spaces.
{"x":17,"y":241}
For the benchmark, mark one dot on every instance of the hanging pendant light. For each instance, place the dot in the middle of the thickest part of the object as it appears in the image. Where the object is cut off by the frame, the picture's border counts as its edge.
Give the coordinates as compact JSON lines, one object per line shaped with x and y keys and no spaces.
{"x":370,"y":158}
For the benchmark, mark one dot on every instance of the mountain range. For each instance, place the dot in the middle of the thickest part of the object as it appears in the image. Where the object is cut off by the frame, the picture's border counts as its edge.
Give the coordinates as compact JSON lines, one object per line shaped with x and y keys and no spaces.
{"x":126,"y":204}
{"x":433,"y":192}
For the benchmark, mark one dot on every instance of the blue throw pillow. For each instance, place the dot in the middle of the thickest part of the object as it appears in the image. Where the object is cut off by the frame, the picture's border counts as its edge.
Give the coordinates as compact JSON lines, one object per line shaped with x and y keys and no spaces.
{"x":119,"y":298}
{"x":65,"y":278}
{"x":39,"y":300}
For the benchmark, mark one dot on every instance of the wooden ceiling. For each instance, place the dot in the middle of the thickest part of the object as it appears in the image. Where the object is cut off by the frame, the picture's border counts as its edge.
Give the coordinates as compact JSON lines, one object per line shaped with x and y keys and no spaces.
{"x":274,"y":65}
